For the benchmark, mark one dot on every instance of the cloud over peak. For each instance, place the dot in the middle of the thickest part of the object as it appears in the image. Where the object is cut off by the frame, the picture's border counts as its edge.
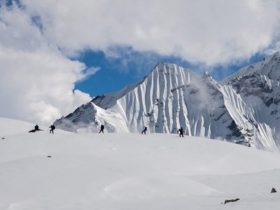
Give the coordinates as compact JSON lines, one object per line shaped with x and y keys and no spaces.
{"x":37,"y":38}
{"x":210,"y":32}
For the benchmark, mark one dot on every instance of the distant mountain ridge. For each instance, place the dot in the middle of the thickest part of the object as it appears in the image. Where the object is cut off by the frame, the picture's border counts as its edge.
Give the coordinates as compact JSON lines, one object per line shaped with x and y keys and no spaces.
{"x":243,"y":108}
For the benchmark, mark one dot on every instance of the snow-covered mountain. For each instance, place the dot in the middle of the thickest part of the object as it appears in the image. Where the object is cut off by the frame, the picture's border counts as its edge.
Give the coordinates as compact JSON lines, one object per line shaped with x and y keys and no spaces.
{"x":259,"y":87}
{"x":243,"y":108}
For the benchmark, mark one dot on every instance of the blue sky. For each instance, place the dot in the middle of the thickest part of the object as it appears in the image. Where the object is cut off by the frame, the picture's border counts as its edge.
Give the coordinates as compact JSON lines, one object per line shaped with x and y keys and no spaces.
{"x":130,"y":66}
{"x":116,"y":72}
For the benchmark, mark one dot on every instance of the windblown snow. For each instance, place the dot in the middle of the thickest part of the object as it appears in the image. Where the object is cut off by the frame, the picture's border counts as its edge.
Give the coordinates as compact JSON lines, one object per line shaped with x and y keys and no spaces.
{"x":124,"y":171}
{"x":243,"y":108}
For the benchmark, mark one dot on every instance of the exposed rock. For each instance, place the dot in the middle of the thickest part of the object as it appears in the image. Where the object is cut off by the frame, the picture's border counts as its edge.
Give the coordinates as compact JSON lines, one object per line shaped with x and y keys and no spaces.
{"x":273,"y":190}
{"x":231,"y":200}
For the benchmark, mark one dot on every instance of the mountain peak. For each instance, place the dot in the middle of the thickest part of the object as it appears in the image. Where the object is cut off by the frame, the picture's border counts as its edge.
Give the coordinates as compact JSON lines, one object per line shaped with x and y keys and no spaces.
{"x":268,"y":67}
{"x":171,"y":66}
{"x":166,"y":64}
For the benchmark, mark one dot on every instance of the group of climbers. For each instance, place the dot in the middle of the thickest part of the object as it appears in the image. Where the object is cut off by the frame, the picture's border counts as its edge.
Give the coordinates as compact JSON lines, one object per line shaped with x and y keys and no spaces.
{"x":102,"y":127}
{"x":36,"y":128}
{"x":52,"y":128}
{"x":180,"y":131}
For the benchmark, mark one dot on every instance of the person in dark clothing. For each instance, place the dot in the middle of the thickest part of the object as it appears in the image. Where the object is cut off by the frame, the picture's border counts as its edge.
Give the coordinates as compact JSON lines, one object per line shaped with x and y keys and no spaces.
{"x":144,"y":130}
{"x":101,"y":129}
{"x":36,"y":128}
{"x":52,"y":128}
{"x":181,"y":132}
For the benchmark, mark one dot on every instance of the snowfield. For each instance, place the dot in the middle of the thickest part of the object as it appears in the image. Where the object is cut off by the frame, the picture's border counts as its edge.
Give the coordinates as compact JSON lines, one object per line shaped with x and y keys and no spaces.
{"x":68,"y":171}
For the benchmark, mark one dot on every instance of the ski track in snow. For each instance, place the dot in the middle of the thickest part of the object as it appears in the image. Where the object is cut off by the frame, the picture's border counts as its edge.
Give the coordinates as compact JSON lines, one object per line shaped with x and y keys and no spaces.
{"x":40,"y":171}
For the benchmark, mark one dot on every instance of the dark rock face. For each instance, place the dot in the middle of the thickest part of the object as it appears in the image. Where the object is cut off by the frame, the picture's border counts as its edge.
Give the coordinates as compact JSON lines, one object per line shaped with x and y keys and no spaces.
{"x":231,"y":200}
{"x":254,"y":85}
{"x":273,"y":190}
{"x":81,"y":117}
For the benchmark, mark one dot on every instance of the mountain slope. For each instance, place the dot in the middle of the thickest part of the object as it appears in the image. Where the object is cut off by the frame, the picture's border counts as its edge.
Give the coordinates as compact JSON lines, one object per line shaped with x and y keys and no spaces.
{"x":168,"y":98}
{"x":241,"y":109}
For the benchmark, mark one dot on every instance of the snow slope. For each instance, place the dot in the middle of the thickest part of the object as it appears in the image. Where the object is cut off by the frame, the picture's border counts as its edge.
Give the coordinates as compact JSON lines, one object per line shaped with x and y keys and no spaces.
{"x":11,"y":126}
{"x":86,"y":171}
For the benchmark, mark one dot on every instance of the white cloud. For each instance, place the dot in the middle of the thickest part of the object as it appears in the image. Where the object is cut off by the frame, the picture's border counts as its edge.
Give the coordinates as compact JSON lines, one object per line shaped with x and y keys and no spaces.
{"x":37,"y":81}
{"x":206,"y":31}
{"x":89,"y":72}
